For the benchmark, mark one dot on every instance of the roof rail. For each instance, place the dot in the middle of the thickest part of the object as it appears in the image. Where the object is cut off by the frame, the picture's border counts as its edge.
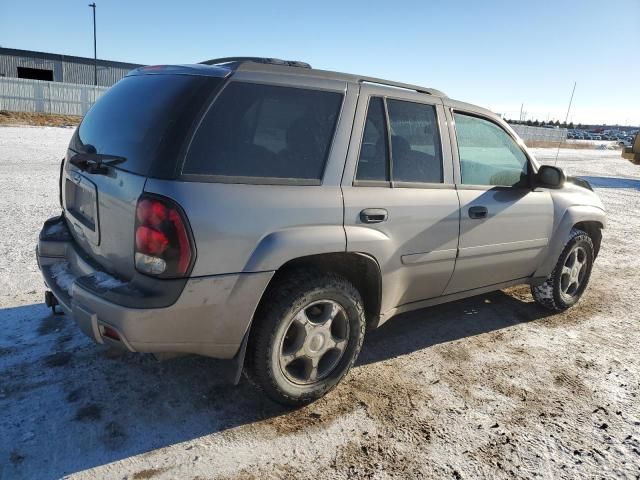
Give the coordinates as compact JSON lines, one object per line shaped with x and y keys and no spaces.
{"x":234,"y":62}
{"x":405,"y":86}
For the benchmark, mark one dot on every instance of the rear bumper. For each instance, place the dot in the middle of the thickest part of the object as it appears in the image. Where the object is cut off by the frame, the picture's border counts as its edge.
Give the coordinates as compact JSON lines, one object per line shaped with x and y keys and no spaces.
{"x":210,"y":317}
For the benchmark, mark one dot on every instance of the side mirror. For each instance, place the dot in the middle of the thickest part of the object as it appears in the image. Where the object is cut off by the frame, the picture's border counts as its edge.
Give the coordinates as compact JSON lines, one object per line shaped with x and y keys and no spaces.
{"x":550,"y":177}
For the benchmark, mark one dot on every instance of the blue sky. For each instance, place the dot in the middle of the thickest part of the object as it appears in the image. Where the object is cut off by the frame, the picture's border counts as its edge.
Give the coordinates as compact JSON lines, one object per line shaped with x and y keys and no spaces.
{"x":492,"y":53}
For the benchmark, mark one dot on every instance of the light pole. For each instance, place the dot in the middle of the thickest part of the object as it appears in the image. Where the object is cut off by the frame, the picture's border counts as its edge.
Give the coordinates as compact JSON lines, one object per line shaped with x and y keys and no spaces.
{"x":95,"y":54}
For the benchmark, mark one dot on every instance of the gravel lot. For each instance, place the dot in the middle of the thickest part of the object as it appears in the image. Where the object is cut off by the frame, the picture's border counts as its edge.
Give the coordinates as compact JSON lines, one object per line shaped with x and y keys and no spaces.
{"x":490,"y":387}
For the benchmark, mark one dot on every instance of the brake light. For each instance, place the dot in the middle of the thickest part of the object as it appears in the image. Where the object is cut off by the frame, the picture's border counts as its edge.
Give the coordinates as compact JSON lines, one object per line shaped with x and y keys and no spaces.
{"x":163,"y":246}
{"x":150,"y":241}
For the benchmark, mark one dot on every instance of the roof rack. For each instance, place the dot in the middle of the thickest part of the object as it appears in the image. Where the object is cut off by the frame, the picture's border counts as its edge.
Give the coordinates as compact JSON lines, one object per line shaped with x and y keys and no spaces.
{"x":235,"y":62}
{"x":404,"y":86}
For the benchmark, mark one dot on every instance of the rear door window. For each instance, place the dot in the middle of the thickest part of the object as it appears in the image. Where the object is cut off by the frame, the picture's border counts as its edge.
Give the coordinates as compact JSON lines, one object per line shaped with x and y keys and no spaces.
{"x":265,"y":131}
{"x":373,"y":162}
{"x":415,"y":142}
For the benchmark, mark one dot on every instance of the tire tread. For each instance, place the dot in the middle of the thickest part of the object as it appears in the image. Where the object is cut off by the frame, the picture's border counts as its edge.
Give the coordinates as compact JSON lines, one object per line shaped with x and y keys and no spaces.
{"x":280,"y":299}
{"x":545,"y":294}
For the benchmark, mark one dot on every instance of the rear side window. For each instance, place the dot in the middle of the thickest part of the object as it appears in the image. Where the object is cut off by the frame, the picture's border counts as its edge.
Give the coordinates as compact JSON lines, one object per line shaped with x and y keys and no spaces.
{"x":266,"y":131}
{"x":144,"y":118}
{"x":373,"y":163}
{"x":416,"y":154}
{"x":488,"y":155}
{"x":415,"y":142}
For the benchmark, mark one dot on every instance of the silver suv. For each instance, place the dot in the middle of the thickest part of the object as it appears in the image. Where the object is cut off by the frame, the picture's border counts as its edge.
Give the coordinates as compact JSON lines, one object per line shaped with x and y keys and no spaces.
{"x":263,"y":211}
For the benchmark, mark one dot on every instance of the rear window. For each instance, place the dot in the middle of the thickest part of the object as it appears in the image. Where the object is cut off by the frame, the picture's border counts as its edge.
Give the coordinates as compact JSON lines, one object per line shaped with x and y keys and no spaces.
{"x":265,"y":131}
{"x":144,"y":118}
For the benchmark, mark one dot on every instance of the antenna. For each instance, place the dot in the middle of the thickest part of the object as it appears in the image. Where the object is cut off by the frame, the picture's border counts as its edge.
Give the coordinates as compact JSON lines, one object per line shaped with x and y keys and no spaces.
{"x":565,"y":120}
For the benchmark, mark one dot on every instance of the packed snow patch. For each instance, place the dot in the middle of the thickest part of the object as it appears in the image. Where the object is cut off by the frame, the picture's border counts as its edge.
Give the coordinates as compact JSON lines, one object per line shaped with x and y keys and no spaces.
{"x":106,"y":281}
{"x":61,"y":274}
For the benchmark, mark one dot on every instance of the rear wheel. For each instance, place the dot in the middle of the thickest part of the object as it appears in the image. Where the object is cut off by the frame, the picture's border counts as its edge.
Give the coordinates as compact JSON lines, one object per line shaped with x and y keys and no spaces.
{"x":307,"y":336}
{"x":564,"y":287}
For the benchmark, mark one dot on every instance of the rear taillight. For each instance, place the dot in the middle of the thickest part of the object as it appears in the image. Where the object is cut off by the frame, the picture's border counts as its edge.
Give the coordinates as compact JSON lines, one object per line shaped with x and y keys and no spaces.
{"x":163,"y":244}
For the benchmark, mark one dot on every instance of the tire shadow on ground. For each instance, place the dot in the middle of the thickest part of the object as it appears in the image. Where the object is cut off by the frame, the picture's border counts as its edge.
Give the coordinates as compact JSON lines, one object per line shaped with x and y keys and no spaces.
{"x":444,"y":323}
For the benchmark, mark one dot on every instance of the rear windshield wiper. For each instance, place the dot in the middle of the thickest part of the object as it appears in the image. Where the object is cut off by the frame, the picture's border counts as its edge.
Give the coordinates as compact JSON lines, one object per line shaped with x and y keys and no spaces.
{"x":96,"y":162}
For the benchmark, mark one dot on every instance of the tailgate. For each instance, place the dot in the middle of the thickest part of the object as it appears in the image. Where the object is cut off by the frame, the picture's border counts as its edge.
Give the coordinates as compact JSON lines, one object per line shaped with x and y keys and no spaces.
{"x":142,"y":121}
{"x":100,"y":211}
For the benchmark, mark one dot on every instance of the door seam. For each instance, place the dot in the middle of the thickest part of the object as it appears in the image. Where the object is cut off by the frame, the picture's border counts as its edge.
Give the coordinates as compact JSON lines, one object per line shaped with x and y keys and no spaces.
{"x":455,"y":261}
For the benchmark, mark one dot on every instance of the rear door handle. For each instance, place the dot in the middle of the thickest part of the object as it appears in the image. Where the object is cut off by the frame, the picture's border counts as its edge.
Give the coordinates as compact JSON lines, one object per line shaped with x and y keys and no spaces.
{"x":373,"y":215}
{"x":478,"y":212}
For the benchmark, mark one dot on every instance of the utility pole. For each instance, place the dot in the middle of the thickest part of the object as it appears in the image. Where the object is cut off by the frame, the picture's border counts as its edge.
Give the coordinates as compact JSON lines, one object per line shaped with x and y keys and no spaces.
{"x":95,"y":52}
{"x":521,"y":107}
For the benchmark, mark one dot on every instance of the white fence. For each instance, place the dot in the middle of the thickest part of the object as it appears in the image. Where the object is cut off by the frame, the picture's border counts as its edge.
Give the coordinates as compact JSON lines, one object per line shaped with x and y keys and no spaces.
{"x":22,"y":95}
{"x":540,"y":133}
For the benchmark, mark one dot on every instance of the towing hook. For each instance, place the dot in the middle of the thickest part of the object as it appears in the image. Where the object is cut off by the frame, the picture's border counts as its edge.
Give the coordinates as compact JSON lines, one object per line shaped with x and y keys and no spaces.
{"x":51,"y":301}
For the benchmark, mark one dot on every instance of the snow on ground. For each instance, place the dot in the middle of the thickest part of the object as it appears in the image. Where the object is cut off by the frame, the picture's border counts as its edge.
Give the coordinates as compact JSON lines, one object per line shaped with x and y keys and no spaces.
{"x":29,"y":165}
{"x":491,"y":386}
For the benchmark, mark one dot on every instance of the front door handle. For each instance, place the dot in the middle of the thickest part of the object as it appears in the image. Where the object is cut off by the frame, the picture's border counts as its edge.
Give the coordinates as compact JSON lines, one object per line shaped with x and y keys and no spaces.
{"x":478,"y":212}
{"x":373,"y":215}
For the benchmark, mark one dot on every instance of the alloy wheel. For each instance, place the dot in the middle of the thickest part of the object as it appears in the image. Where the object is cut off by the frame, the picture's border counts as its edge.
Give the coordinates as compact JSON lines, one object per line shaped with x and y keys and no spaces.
{"x":573,"y":272}
{"x":314,"y":342}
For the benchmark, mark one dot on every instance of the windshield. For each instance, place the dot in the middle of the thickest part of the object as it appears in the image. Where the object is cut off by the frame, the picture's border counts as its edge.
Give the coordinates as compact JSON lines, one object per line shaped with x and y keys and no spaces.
{"x":144,"y":119}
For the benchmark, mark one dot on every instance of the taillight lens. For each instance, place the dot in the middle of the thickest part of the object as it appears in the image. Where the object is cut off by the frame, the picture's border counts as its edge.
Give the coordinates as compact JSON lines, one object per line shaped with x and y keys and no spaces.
{"x":163,"y":245}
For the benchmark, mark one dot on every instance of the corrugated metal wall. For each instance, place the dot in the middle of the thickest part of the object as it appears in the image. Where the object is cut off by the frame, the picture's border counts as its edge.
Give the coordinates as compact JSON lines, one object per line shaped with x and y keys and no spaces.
{"x":65,"y":69}
{"x":21,"y":95}
{"x":540,"y":133}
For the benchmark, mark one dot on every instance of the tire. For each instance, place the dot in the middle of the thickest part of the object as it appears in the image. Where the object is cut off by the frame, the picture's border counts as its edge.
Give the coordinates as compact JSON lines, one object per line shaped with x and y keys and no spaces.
{"x":557,"y":293}
{"x":305,"y":314}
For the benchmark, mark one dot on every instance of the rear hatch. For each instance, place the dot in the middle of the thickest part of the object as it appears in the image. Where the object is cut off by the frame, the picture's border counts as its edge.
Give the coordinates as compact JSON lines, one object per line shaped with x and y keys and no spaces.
{"x":136,"y":130}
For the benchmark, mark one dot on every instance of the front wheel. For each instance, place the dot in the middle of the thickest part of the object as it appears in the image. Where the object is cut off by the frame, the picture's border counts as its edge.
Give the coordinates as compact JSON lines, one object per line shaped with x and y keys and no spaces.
{"x":307,"y":336}
{"x":564,"y":287}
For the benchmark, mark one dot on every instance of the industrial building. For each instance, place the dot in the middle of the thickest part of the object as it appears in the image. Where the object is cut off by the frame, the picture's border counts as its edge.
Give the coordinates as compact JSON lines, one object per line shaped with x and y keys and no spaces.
{"x":55,"y":67}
